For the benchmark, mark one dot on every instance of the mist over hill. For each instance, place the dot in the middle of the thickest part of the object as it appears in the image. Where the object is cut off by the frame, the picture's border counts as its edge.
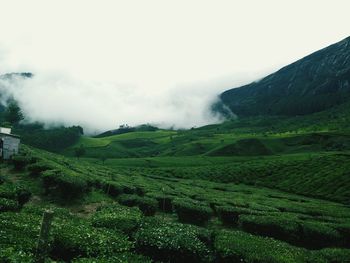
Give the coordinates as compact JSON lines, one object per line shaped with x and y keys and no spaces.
{"x":312,"y":84}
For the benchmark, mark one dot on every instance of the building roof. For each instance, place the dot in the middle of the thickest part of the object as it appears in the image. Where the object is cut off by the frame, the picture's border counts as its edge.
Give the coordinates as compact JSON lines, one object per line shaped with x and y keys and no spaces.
{"x":11,"y":135}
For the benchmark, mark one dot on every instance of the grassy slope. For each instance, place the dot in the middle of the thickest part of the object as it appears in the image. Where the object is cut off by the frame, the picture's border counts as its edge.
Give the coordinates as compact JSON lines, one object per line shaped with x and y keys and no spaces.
{"x":289,"y":209}
{"x":309,"y":162}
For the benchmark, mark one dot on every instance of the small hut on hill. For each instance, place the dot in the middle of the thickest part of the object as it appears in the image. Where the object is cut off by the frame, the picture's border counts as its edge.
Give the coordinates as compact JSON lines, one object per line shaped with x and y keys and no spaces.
{"x":9,"y":143}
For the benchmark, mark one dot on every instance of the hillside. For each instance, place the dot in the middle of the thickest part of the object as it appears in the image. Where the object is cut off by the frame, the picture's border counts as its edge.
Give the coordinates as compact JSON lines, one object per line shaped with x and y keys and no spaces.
{"x":311,"y":84}
{"x":107,"y":214}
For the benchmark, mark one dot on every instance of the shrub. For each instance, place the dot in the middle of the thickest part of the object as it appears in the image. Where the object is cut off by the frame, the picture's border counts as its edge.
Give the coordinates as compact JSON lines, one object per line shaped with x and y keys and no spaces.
{"x":19,"y":231}
{"x":237,"y":246}
{"x":111,"y":188}
{"x":129,"y":200}
{"x":129,"y":189}
{"x":165,"y":202}
{"x":73,"y":238}
{"x":189,"y":211}
{"x":10,"y":255}
{"x":36,"y":169}
{"x":117,"y":217}
{"x":23,"y":195}
{"x":172,"y":242}
{"x":15,"y":192}
{"x":229,"y":215}
{"x":121,"y":258}
{"x":63,"y":185}
{"x":8,"y":205}
{"x":319,"y":235}
{"x":148,"y":206}
{"x":20,"y":162}
{"x":331,"y":255}
{"x":279,"y":227}
{"x":8,"y":190}
{"x":344,"y":230}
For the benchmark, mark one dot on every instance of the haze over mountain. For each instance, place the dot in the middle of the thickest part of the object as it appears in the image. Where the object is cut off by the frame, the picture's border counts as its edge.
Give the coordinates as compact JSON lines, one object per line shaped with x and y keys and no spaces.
{"x":314,"y":83}
{"x":151,"y":62}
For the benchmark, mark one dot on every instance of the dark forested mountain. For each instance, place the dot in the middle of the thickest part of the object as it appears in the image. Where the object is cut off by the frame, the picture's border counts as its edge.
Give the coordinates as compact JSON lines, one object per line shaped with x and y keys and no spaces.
{"x":15,"y":74}
{"x":311,"y":84}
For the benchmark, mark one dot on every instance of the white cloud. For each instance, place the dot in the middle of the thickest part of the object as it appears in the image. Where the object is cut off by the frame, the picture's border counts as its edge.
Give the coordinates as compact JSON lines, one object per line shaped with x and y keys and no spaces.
{"x":103,"y":63}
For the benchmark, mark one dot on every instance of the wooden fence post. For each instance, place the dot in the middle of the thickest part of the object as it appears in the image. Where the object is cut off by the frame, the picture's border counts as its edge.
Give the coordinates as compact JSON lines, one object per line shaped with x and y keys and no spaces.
{"x":43,"y":240}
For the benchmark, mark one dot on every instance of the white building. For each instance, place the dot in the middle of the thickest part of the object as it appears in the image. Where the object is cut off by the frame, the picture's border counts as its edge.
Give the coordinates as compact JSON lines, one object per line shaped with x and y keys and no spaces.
{"x":9,"y":143}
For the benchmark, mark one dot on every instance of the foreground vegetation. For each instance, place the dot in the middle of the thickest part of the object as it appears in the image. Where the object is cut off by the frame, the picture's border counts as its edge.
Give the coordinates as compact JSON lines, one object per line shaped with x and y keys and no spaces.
{"x":107,"y":214}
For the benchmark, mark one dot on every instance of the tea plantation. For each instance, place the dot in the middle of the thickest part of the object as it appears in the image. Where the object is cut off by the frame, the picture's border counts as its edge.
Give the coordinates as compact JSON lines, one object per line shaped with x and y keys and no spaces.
{"x":288,"y":208}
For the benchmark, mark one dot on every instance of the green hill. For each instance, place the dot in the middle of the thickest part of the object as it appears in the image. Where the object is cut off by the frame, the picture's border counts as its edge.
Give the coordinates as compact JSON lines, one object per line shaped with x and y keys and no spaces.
{"x":104,"y":213}
{"x":311,"y":84}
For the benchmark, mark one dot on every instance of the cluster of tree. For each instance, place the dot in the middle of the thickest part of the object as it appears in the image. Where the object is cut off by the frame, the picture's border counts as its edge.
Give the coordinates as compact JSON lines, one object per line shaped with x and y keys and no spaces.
{"x":54,"y":139}
{"x":35,"y":134}
{"x":11,"y":115}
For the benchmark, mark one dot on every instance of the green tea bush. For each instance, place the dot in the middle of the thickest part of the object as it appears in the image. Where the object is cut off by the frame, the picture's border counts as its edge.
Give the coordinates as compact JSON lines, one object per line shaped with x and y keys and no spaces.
{"x":129,"y":200}
{"x":8,"y":190}
{"x":237,"y":246}
{"x":229,"y":215}
{"x":172,"y":242}
{"x":280,"y":227}
{"x":75,"y":238}
{"x":11,"y":255}
{"x":19,"y":162}
{"x":330,"y":255}
{"x":344,"y":230}
{"x":117,"y":217}
{"x":148,"y":206}
{"x":62,"y":184}
{"x":192,"y":212}
{"x":37,"y":168}
{"x":319,"y":235}
{"x":8,"y":205}
{"x":109,"y":187}
{"x":19,"y":231}
{"x":121,"y":258}
{"x":165,"y":202}
{"x":15,"y":192}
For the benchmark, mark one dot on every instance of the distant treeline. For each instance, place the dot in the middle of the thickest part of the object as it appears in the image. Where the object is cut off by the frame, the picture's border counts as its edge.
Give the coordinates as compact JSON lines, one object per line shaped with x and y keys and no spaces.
{"x":53,"y":139}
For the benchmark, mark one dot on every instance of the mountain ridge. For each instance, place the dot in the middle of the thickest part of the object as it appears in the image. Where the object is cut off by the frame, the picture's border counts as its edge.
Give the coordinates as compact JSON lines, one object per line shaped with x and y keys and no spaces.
{"x":314,"y":83}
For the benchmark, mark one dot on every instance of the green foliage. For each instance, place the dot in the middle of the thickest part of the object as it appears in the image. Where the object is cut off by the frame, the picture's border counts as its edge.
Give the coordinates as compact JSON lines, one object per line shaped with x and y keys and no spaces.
{"x":236,"y":246}
{"x":171,"y":242}
{"x":147,"y":205}
{"x":79,"y":151}
{"x":37,"y":168}
{"x":8,"y":205}
{"x":53,"y":139}
{"x":10,"y":255}
{"x":16,"y":192}
{"x":318,"y":235}
{"x":121,"y":258}
{"x":229,"y":215}
{"x":20,"y":161}
{"x":189,"y":211}
{"x":62,"y":184}
{"x":165,"y":202}
{"x":73,"y":238}
{"x":13,"y":113}
{"x":19,"y":231}
{"x":117,"y":217}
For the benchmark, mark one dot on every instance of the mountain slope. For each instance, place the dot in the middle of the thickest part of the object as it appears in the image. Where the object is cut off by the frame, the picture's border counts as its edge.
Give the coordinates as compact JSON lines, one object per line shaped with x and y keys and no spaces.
{"x":314,"y":83}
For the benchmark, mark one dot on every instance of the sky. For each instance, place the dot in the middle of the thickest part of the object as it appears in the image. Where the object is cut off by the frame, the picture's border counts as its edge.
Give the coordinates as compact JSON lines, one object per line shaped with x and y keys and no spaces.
{"x":104,"y":63}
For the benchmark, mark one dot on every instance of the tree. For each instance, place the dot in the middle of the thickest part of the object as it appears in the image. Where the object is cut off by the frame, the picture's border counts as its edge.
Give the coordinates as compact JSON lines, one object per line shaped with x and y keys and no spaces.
{"x":79,"y":151}
{"x":13,"y":113}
